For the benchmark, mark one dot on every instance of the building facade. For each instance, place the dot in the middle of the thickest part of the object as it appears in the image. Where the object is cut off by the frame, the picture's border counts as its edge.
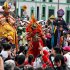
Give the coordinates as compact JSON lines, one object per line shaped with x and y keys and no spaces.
{"x":2,"y":2}
{"x":43,"y":9}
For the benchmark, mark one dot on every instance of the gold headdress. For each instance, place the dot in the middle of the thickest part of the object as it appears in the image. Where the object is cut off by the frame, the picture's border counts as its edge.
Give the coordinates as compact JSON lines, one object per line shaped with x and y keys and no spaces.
{"x":6,"y":6}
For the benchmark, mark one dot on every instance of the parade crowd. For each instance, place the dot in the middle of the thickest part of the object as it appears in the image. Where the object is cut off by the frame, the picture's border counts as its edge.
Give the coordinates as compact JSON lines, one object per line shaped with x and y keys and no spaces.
{"x":32,"y":44}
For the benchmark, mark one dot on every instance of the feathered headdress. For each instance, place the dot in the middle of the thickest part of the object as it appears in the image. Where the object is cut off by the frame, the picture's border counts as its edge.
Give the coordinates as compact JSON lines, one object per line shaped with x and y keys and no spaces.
{"x":33,"y":23}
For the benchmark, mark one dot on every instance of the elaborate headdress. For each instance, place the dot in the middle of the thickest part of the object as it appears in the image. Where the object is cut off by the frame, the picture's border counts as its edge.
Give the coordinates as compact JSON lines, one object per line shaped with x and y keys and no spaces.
{"x":60,"y":12}
{"x":6,"y":6}
{"x":33,"y":23}
{"x":34,"y":27}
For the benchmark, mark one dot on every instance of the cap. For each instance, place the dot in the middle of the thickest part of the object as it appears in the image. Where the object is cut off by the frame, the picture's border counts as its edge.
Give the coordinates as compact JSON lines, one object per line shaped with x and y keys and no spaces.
{"x":66,"y":48}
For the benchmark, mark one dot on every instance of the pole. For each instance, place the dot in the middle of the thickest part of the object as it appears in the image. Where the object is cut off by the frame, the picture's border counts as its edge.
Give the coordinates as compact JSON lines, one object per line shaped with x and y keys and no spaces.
{"x":58,"y":4}
{"x":18,"y":9}
{"x":14,"y":3}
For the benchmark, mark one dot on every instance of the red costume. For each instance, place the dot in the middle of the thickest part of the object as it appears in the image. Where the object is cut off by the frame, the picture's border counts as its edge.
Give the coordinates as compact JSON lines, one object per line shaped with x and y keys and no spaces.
{"x":34,"y":36}
{"x":46,"y":60}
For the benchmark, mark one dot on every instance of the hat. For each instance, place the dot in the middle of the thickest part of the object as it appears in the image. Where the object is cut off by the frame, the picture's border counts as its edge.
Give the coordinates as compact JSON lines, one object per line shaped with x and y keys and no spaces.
{"x":52,"y":17}
{"x":66,"y":48}
{"x":60,"y":12}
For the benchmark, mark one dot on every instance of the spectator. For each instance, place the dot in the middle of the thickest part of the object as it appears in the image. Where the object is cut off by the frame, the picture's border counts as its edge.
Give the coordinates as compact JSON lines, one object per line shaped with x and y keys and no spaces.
{"x":59,"y":62}
{"x":0,"y":48}
{"x":68,"y":39}
{"x":46,"y":61}
{"x":67,"y":56}
{"x":1,"y":64}
{"x":37,"y":63}
{"x":56,"y":50}
{"x":65,"y":43}
{"x":21,"y":50}
{"x":48,"y":41}
{"x":20,"y":61}
{"x":9,"y":65}
{"x":30,"y":68}
{"x":6,"y":53}
{"x":16,"y":59}
{"x":40,"y":68}
{"x":48,"y":68}
{"x":30,"y":60}
{"x":26,"y":48}
{"x":16,"y":68}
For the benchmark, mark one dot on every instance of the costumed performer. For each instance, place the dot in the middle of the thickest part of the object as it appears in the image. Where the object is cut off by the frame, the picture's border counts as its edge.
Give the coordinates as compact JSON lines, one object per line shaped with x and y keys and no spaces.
{"x":35,"y":37}
{"x":6,"y":25}
{"x":60,"y":25}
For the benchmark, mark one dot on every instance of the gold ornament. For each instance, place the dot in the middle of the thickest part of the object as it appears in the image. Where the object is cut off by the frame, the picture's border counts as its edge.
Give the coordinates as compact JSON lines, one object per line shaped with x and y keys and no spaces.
{"x":24,"y":7}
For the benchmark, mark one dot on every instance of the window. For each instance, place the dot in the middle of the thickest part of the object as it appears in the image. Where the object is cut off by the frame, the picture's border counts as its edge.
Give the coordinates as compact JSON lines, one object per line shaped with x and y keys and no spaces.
{"x":68,"y":16}
{"x":17,"y":12}
{"x":44,"y":0}
{"x":37,"y":13}
{"x":32,"y":11}
{"x":32,"y":0}
{"x":2,"y":3}
{"x":51,"y":12}
{"x":22,"y":12}
{"x":68,"y":1}
{"x":50,"y":0}
{"x":43,"y":12}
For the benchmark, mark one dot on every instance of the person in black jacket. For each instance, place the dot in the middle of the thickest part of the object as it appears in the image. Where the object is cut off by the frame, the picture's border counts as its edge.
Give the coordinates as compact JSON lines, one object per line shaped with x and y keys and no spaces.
{"x":60,"y":25}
